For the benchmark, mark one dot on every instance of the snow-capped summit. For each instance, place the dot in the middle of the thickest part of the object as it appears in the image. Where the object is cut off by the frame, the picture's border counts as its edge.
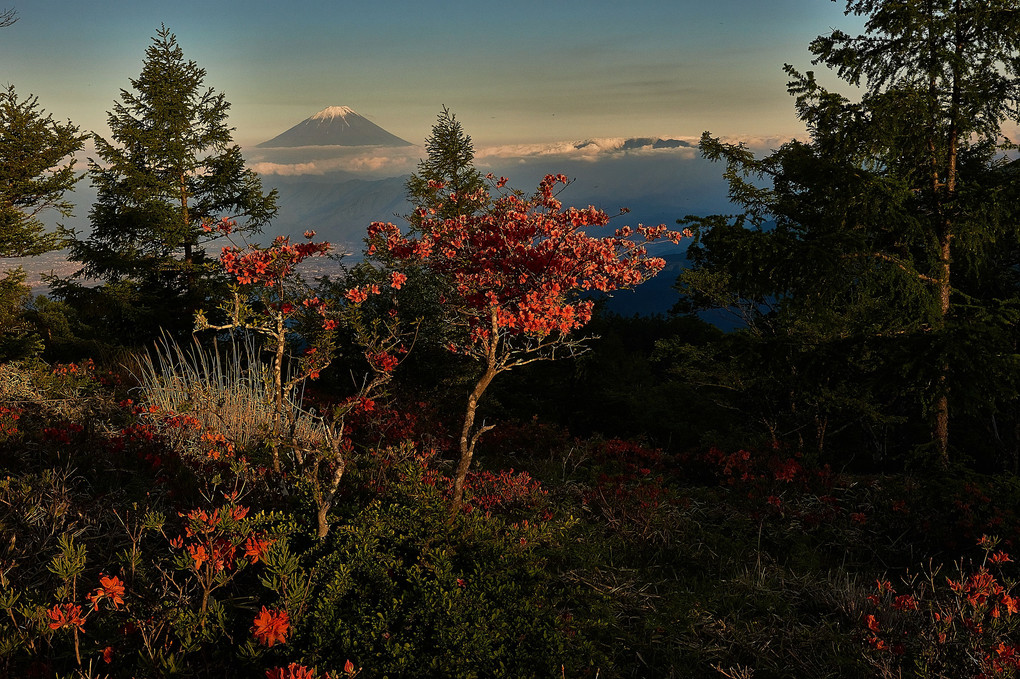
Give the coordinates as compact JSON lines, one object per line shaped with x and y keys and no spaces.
{"x":331,"y":112}
{"x":335,"y":126}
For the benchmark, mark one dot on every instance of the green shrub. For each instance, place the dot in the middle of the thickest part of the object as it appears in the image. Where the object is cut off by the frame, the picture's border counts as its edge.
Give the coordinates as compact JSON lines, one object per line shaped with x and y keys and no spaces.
{"x":406,"y":592}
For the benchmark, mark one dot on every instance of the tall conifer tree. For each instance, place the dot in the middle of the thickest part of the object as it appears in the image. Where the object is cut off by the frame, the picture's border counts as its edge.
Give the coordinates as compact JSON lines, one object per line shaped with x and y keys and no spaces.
{"x":36,"y":170}
{"x":170,"y":168}
{"x":891,"y":222}
{"x":450,"y":163}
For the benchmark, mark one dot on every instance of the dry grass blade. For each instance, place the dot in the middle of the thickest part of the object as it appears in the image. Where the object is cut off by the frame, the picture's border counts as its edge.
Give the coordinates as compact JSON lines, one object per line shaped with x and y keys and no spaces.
{"x":229,"y":391}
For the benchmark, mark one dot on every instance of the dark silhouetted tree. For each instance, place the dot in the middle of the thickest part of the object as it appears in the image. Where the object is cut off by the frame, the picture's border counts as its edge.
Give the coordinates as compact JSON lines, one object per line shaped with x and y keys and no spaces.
{"x":448,"y":170}
{"x":855,"y":234}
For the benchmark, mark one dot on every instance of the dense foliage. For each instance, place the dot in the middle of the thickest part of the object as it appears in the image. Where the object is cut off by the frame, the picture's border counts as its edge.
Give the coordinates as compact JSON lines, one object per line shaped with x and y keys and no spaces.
{"x":36,"y":170}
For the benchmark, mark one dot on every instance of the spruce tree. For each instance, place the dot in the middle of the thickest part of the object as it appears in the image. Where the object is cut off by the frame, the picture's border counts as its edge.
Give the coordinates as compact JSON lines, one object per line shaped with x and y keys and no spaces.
{"x":170,"y":169}
{"x":36,"y":170}
{"x":450,"y":163}
{"x":891,"y":223}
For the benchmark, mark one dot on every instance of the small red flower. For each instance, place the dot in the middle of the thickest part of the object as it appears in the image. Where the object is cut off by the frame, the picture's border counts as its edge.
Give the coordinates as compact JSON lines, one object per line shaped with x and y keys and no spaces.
{"x":256,"y":548}
{"x":905,"y":602}
{"x":355,"y":296}
{"x":291,"y":671}
{"x":271,"y":626}
{"x":66,"y":615}
{"x":999,"y":557}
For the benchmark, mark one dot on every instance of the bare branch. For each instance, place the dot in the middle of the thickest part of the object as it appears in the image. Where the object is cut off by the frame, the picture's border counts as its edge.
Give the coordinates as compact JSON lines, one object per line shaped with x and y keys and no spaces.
{"x":893,"y":260}
{"x":8,"y":17}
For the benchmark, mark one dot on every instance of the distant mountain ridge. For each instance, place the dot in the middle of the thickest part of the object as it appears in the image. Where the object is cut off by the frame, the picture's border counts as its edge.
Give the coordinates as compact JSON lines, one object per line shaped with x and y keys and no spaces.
{"x":335,"y":126}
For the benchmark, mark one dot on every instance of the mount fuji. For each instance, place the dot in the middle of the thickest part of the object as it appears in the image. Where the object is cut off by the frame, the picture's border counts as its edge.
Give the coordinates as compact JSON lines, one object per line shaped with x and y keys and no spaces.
{"x":335,"y":126}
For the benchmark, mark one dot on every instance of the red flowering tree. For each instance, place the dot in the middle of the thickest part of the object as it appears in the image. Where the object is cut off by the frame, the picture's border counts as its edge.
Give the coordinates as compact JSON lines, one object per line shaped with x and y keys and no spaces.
{"x":514,"y":273}
{"x":267,"y":298}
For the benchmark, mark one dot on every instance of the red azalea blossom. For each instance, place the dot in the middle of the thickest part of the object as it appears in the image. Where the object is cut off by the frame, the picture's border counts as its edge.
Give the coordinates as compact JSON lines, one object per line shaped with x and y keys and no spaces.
{"x":291,"y":671}
{"x":999,"y":557}
{"x":112,"y":588}
{"x":66,"y":615}
{"x":198,"y":554}
{"x":382,"y":361}
{"x":905,"y":602}
{"x":256,"y":548}
{"x":271,"y":626}
{"x":356,"y":296}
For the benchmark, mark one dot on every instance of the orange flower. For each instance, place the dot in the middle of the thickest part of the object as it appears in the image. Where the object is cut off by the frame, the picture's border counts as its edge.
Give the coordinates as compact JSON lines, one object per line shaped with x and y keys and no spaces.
{"x":905,"y":602}
{"x":291,"y":671}
{"x":271,"y":626}
{"x":66,"y":615}
{"x":199,"y":554}
{"x":112,"y":588}
{"x":256,"y":548}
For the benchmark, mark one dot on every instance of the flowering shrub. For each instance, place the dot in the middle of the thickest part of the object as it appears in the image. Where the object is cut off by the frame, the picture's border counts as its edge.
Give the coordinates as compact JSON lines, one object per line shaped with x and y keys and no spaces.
{"x":947,"y":627}
{"x":267,"y":299}
{"x":296,"y":671}
{"x":9,"y":422}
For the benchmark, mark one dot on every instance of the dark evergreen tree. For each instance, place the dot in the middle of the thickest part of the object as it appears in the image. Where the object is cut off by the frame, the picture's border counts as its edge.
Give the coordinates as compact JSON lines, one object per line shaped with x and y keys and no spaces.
{"x":450,"y":163}
{"x":853,"y":236}
{"x":36,"y":170}
{"x":171,"y":169}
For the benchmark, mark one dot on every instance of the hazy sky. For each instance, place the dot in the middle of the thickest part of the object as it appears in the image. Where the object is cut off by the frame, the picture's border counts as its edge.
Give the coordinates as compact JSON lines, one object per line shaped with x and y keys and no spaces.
{"x":519,"y":71}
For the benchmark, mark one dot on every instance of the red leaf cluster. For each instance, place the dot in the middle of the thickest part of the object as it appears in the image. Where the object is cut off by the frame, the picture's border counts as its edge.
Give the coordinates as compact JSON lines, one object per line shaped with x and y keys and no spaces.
{"x":518,"y":265}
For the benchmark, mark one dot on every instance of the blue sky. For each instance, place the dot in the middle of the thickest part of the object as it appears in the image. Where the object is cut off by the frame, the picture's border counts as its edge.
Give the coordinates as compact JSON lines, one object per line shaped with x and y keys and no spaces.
{"x":513,"y":72}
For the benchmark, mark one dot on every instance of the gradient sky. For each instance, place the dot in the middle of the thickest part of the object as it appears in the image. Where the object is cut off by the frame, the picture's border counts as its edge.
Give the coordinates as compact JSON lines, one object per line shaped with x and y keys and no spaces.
{"x":513,"y":72}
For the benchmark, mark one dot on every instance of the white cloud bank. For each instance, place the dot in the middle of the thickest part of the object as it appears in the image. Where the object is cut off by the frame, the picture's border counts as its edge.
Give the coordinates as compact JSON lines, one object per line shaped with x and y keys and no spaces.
{"x":388,"y":162}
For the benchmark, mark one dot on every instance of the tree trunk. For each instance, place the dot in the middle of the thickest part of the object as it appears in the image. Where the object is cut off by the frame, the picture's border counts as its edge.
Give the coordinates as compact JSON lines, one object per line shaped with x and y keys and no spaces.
{"x":942,"y":402}
{"x":189,"y":255}
{"x":945,"y":241}
{"x":467,"y":439}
